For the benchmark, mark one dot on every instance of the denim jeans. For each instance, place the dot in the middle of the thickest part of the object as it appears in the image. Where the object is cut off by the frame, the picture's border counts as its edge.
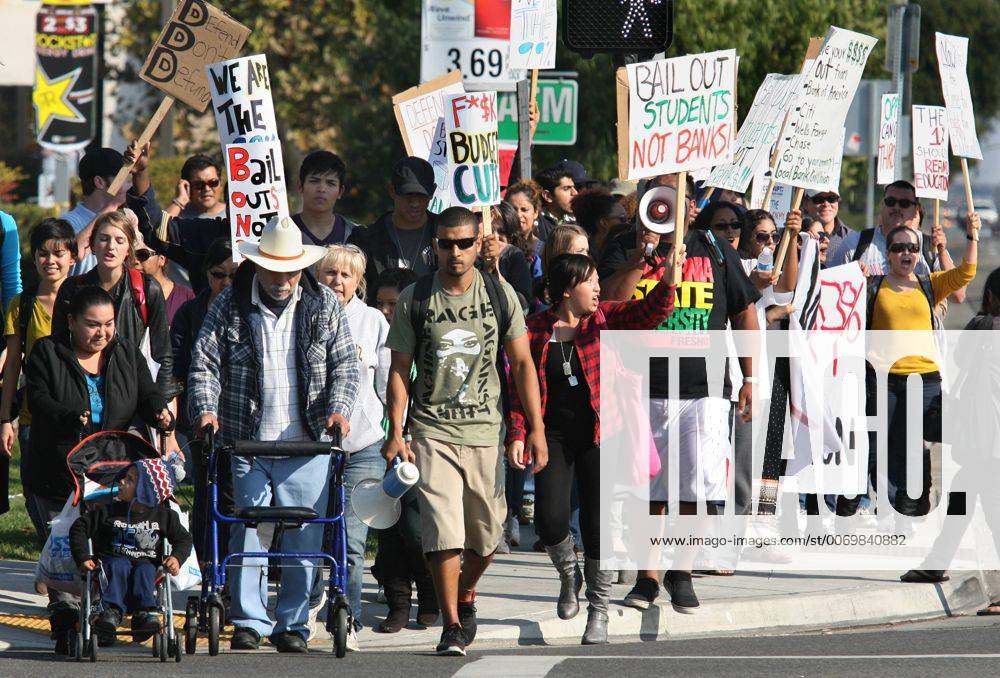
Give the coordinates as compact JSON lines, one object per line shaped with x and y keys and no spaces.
{"x":895,"y":419}
{"x":363,"y":464}
{"x":130,"y":586}
{"x":290,"y":481}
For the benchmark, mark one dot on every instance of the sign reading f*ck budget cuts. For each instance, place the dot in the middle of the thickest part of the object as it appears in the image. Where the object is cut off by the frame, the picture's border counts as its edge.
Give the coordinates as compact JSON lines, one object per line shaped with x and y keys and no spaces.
{"x":473,"y":151}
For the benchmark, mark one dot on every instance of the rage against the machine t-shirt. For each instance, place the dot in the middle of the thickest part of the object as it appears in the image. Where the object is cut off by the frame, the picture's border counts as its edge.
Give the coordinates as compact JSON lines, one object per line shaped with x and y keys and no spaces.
{"x":456,"y":391}
{"x":713,"y":286}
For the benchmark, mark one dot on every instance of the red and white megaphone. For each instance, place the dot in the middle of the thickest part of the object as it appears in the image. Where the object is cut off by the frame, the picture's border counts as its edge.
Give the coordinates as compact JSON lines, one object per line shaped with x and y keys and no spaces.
{"x":658,"y":212}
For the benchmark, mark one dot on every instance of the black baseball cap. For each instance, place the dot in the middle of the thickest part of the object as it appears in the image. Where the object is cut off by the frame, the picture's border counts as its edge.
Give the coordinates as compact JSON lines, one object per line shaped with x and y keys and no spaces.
{"x":575,"y":170}
{"x":103,"y":162}
{"x":413,"y":175}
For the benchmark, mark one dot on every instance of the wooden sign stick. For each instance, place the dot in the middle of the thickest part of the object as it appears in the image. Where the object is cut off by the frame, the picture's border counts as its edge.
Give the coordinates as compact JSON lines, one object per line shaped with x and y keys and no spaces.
{"x":779,"y":260}
{"x":682,"y":179}
{"x":937,"y":213}
{"x":970,"y":206}
{"x":705,"y":198}
{"x":144,"y":138}
{"x":768,"y":192}
{"x":487,"y":221}
{"x":534,"y":86}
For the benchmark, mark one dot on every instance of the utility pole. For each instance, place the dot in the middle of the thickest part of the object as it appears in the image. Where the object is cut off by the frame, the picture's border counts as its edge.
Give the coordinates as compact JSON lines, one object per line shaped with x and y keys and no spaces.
{"x":901,"y":59}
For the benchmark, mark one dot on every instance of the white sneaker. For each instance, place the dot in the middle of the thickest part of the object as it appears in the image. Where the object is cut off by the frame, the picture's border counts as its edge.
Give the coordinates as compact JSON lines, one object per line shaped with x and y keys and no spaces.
{"x":380,"y":596}
{"x":352,"y":641}
{"x":311,"y":622}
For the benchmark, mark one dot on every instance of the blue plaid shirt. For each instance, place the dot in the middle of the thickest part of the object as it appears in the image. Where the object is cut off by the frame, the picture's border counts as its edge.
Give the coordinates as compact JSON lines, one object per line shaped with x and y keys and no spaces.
{"x":226,"y":378}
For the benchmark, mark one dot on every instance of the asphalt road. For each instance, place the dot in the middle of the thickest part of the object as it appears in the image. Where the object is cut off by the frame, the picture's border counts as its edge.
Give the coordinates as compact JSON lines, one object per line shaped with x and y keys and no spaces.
{"x":963,"y":646}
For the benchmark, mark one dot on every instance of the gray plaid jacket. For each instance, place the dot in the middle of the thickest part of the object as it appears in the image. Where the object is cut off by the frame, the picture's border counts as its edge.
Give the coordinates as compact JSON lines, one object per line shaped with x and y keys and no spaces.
{"x":226,"y":376}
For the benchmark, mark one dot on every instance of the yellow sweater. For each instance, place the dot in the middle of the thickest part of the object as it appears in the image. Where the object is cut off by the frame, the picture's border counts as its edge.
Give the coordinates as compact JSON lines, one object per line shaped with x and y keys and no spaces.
{"x":909,"y":311}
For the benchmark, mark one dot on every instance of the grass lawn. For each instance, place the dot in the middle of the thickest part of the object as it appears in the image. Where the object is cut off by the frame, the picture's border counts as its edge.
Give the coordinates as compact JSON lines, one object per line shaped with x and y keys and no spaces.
{"x":17,"y":536}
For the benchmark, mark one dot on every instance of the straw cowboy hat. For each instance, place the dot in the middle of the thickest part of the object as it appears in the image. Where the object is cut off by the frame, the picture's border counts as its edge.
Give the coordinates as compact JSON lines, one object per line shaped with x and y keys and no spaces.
{"x":280,"y":248}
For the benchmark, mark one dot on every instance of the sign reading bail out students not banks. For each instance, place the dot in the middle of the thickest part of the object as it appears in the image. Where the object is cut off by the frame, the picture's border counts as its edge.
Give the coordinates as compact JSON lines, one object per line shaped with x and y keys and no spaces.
{"x":473,"y":152}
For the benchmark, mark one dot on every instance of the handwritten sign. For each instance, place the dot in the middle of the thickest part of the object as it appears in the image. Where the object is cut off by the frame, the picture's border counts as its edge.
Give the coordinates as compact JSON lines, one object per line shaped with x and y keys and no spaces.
{"x":953,"y":56}
{"x":241,"y":99}
{"x":533,"y":34}
{"x":256,"y":186}
{"x":930,"y":152}
{"x":808,"y":152}
{"x":196,"y":35}
{"x":781,"y":196}
{"x":888,"y":130}
{"x":473,"y":153}
{"x":681,"y":115}
{"x":759,"y":132}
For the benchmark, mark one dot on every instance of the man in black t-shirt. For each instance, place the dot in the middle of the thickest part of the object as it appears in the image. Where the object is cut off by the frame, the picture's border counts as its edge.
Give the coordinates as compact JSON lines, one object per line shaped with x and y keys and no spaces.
{"x":322,"y":181}
{"x":714,"y":290}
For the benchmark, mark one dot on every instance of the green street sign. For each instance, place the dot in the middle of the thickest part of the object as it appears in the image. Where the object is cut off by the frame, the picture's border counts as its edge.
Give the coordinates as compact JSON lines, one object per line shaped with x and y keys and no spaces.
{"x":557,"y":100}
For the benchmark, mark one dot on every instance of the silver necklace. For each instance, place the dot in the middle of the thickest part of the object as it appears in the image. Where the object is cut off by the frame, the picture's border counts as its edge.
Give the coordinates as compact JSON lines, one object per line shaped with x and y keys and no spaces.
{"x":411,"y":262}
{"x":567,"y":368}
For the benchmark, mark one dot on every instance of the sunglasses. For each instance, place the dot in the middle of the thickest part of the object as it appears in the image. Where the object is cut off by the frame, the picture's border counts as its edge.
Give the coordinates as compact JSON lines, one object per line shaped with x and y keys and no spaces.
{"x":199,"y":185}
{"x":222,"y":275}
{"x":728,"y":225}
{"x":142,"y":256}
{"x":820,"y":199}
{"x":764,"y":238}
{"x":904,"y":203}
{"x":461,"y":243}
{"x":900,"y":247}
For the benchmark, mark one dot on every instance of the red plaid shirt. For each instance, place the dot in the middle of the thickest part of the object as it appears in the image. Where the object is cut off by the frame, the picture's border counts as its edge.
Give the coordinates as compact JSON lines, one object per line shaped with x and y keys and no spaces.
{"x":641,"y":314}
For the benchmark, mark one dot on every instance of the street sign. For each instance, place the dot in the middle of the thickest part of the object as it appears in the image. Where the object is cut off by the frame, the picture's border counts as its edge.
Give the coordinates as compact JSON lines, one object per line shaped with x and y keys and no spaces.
{"x":557,"y":101}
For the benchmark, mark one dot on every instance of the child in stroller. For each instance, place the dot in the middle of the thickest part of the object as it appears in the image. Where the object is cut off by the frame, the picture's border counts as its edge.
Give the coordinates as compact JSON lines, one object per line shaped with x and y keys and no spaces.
{"x":125,"y":540}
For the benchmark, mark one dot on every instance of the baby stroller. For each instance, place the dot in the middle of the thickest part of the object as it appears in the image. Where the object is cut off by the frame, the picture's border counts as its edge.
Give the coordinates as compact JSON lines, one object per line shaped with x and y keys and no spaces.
{"x":207,"y":611}
{"x":95,"y":463}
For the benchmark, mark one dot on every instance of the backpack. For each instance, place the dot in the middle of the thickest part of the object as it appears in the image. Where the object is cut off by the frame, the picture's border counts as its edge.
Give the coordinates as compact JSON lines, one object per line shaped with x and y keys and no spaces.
{"x":868,"y":235}
{"x":138,"y":286}
{"x":875,"y":283}
{"x":422,"y":290}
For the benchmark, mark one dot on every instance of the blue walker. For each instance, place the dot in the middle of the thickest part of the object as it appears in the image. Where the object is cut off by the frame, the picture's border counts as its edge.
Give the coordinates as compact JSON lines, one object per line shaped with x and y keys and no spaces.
{"x":207,"y":610}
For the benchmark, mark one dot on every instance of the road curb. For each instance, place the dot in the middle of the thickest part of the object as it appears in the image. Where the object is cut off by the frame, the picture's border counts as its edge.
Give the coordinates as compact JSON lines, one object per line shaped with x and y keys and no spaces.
{"x":865,"y":605}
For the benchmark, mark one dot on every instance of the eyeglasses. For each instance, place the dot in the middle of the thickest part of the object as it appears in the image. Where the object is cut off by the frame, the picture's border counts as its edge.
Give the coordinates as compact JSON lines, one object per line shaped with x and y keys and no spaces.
{"x":900,"y":247}
{"x":142,"y":256}
{"x":904,"y":203}
{"x":820,"y":199}
{"x":222,"y":275}
{"x":199,"y":185}
{"x":728,"y":225}
{"x":764,"y":238}
{"x":461,"y":243}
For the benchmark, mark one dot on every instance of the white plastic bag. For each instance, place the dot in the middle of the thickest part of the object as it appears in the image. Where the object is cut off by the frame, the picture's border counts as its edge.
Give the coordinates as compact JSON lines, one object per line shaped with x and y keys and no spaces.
{"x":56,"y":567}
{"x":190,"y":574}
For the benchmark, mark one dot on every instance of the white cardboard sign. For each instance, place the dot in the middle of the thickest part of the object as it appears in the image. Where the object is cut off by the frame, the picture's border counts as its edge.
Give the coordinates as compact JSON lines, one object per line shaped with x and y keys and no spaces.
{"x":888,"y":130}
{"x":241,"y":100}
{"x":473,"y":151}
{"x":930,"y":152}
{"x":953,"y":55}
{"x":533,"y":33}
{"x":808,"y":153}
{"x":256,"y":188}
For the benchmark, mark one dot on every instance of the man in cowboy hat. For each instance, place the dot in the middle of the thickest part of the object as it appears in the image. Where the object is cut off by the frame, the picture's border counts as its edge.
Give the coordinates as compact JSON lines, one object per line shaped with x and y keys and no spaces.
{"x":275,"y":362}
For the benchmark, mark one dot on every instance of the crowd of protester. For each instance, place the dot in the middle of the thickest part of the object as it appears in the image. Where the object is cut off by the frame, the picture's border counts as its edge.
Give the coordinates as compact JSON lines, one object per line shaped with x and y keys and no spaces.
{"x":422,"y":337}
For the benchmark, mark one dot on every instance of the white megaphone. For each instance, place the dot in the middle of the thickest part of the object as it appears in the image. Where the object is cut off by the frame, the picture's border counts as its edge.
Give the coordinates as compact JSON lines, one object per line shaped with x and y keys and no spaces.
{"x":376,"y":502}
{"x":658,"y":212}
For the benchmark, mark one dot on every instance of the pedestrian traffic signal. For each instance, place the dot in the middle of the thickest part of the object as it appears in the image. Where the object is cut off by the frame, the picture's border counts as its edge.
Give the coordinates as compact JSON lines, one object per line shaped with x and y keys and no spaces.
{"x":618,"y":26}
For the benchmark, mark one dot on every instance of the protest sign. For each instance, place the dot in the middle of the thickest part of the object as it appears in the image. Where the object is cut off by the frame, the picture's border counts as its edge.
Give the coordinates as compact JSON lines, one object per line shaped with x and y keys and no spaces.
{"x":812,"y":137}
{"x":420,"y":116}
{"x":419,"y":109}
{"x":952,"y":56}
{"x":66,"y":51}
{"x":473,"y":151}
{"x":759,"y":132}
{"x":930,"y":152}
{"x":241,"y":99}
{"x":888,"y":129}
{"x":533,"y":34}
{"x":676,"y":114}
{"x":256,"y":187}
{"x":471,"y":36}
{"x":196,"y":35}
{"x":780,"y":200}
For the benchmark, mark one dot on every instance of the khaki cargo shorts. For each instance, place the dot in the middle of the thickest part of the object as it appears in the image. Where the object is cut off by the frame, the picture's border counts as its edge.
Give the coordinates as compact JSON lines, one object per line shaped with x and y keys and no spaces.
{"x":461,"y":495}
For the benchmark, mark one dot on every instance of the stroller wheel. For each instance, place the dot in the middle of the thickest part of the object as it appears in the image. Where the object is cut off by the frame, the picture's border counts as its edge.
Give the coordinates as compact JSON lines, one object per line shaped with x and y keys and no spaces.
{"x":92,"y":650}
{"x":191,"y":626}
{"x":214,"y":628}
{"x":74,"y":640}
{"x":340,"y":631}
{"x":175,"y":647}
{"x":156,"y":646}
{"x":162,"y":646}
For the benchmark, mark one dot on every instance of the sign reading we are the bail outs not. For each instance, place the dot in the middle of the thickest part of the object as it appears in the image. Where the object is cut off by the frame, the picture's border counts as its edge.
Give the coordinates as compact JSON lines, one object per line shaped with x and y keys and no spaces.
{"x":256,"y":187}
{"x":473,"y":150}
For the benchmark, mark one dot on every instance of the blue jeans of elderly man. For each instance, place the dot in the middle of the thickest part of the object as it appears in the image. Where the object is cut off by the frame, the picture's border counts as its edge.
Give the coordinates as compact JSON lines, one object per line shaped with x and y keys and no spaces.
{"x":275,"y":362}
